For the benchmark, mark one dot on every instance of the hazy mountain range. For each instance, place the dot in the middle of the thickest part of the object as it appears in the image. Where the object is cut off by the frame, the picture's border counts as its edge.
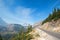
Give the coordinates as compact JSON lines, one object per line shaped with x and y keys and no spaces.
{"x":4,"y":27}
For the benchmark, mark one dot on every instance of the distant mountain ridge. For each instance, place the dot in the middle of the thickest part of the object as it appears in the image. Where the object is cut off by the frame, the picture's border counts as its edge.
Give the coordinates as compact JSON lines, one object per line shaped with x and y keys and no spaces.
{"x":9,"y":30}
{"x":15,"y":27}
{"x":4,"y":27}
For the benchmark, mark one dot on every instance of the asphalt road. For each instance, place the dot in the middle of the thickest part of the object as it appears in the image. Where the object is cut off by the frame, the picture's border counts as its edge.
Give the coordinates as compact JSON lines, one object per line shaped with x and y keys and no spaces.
{"x":54,"y":34}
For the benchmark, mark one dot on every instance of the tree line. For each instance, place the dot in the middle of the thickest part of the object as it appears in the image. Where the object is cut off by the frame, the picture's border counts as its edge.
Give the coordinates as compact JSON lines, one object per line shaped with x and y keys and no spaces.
{"x":55,"y":15}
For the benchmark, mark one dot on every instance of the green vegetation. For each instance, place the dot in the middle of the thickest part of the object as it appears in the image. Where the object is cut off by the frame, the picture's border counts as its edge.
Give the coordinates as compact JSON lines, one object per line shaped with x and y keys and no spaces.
{"x":37,"y":35}
{"x":54,"y":16}
{"x":0,"y":37}
{"x":24,"y":35}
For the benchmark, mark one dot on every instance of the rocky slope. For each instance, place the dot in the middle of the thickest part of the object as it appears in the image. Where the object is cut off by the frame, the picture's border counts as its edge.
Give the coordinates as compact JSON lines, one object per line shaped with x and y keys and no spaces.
{"x":52,"y":26}
{"x":38,"y":34}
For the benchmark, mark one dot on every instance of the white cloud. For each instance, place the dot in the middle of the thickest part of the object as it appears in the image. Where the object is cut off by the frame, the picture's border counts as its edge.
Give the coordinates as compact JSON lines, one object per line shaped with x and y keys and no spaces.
{"x":24,"y":14}
{"x":20,"y":16}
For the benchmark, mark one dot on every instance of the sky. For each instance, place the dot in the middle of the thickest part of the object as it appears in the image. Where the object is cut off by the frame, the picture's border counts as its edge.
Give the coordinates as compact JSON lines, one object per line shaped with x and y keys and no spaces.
{"x":26,"y":11}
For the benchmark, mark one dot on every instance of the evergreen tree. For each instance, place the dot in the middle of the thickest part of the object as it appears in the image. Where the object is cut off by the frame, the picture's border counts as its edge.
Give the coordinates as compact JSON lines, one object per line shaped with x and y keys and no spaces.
{"x":54,"y":16}
{"x":0,"y":37}
{"x":24,"y":35}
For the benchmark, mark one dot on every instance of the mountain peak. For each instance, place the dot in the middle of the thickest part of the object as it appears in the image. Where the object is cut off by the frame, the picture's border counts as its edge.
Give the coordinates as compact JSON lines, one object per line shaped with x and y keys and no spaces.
{"x":2,"y":22}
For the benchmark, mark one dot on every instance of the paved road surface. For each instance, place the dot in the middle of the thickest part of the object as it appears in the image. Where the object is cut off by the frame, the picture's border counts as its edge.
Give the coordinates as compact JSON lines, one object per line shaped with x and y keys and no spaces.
{"x":54,"y":34}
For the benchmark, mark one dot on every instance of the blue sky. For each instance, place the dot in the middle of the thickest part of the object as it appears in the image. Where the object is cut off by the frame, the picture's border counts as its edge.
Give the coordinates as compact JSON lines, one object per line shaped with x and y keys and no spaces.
{"x":26,"y":11}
